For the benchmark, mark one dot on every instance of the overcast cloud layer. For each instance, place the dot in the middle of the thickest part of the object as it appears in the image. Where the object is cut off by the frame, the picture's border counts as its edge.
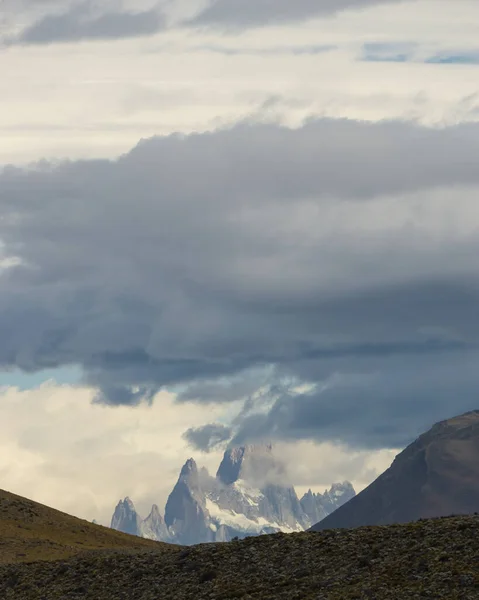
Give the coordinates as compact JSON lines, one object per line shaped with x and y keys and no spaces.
{"x":73,"y":21}
{"x":255,"y":13}
{"x":341,"y":255}
{"x":81,"y":22}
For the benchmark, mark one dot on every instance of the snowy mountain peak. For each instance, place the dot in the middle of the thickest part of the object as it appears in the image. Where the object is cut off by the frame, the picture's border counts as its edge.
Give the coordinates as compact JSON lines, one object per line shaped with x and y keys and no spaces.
{"x":249,"y":496}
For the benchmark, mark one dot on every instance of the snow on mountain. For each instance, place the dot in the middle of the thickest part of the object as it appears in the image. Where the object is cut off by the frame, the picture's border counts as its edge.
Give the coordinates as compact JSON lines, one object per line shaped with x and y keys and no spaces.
{"x":249,"y":496}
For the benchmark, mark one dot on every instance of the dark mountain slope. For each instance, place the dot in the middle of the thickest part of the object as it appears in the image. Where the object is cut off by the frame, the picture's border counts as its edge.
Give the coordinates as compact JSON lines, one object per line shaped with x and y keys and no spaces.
{"x":437,"y":475}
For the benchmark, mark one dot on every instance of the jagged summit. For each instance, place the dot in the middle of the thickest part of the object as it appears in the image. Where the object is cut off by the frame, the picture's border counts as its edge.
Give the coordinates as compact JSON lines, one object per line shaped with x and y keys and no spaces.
{"x":249,"y":496}
{"x":189,"y":467}
{"x":339,"y":489}
{"x":437,"y":475}
{"x":155,"y":513}
{"x":253,"y":463}
{"x":125,"y":518}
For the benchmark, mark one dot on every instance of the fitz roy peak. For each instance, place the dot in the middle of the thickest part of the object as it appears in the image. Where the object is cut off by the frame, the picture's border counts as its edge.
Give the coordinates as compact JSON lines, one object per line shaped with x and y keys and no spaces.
{"x":249,"y":496}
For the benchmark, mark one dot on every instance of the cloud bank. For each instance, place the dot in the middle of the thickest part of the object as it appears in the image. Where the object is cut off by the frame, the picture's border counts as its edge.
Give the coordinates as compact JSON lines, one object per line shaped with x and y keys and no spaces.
{"x":81,"y":22}
{"x":341,"y":255}
{"x":243,"y":14}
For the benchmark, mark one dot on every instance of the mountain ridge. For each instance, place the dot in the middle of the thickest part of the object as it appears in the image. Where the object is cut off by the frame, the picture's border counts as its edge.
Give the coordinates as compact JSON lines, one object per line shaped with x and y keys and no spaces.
{"x":250,"y":495}
{"x":436,"y":475}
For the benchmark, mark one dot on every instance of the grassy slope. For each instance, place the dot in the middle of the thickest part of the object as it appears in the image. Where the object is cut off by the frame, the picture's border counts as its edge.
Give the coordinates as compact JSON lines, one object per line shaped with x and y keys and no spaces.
{"x":30,"y":531}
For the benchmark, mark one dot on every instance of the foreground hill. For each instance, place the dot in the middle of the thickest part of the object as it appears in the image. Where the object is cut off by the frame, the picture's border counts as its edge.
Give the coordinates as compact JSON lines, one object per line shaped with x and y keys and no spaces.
{"x":31,"y":531}
{"x":436,"y":475}
{"x":428,"y":559}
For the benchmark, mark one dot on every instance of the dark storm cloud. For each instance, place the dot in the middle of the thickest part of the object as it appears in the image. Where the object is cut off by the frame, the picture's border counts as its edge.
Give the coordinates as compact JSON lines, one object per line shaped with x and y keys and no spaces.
{"x":208,"y":437}
{"x":80,"y":22}
{"x":230,"y":389}
{"x":242,"y":14}
{"x":384,"y":404}
{"x":207,"y":259}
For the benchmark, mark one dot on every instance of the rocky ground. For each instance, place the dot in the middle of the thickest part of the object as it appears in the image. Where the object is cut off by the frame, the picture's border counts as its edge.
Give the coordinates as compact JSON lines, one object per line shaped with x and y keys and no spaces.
{"x":436,"y":558}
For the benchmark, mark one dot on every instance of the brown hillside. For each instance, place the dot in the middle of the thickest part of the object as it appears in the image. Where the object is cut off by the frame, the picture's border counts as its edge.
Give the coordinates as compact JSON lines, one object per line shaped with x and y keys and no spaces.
{"x":30,"y":531}
{"x":437,"y":475}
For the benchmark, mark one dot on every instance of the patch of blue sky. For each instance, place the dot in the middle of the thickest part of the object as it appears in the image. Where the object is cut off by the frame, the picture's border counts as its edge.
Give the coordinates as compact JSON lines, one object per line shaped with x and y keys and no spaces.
{"x":459,"y":58}
{"x":388,"y":51}
{"x":399,"y":58}
{"x":25,"y":381}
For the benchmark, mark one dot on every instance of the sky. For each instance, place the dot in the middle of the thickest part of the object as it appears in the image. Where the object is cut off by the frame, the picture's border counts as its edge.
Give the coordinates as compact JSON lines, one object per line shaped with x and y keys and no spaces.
{"x":226,"y":222}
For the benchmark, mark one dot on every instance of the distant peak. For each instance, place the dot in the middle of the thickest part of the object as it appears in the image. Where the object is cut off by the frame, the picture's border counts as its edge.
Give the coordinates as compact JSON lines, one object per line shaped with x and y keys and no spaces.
{"x":127,"y":503}
{"x":249,"y":462}
{"x":155,"y":514}
{"x":189,"y":468}
{"x":345,"y":488}
{"x":343,"y":485}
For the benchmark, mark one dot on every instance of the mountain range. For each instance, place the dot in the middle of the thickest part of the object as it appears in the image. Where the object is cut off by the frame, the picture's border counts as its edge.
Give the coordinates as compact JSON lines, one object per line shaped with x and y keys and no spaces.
{"x":249,"y":496}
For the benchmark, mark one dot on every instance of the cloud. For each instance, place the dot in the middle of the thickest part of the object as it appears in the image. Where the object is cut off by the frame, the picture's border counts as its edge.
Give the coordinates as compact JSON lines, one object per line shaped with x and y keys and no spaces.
{"x":207,"y":437}
{"x":225,"y":261}
{"x":269,"y":51}
{"x":227,"y":389}
{"x":371,"y":403}
{"x":243,"y":14}
{"x":80,"y":22}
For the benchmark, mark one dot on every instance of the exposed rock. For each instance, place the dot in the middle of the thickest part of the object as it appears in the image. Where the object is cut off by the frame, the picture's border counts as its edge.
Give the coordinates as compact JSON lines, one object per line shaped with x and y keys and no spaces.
{"x":154,"y":526}
{"x":253,"y":463}
{"x":125,"y":518}
{"x":318,"y":506}
{"x":249,"y":496}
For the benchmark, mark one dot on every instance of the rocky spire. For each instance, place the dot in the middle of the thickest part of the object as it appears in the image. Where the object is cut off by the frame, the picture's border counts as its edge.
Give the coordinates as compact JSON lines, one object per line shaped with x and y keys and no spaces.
{"x":185,"y":508}
{"x":125,"y":518}
{"x":253,"y":463}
